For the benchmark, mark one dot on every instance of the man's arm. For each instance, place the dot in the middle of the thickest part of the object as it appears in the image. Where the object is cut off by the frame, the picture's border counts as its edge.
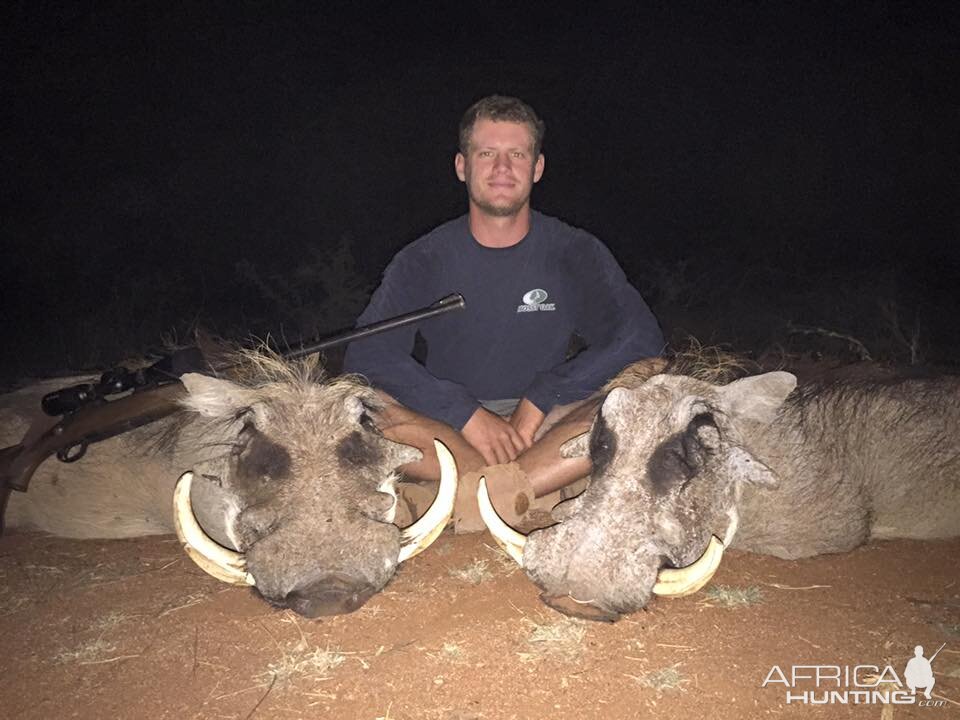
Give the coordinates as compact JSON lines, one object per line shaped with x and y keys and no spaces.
{"x":387,"y":362}
{"x":616,"y":324}
{"x":386,"y":359}
{"x":526,"y":420}
{"x":493,"y":437}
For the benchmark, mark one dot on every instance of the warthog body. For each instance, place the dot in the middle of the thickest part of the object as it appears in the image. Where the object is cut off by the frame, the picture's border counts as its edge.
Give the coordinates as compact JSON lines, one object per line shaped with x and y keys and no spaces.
{"x":792,"y":473}
{"x":288,"y":470}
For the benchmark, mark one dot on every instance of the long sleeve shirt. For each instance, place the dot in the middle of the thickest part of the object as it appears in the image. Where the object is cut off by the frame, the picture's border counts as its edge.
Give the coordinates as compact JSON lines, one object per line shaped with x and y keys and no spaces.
{"x":523,"y":304}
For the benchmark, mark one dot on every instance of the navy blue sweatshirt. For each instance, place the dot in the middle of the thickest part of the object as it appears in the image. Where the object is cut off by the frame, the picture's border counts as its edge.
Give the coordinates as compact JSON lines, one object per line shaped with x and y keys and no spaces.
{"x":523,"y":303}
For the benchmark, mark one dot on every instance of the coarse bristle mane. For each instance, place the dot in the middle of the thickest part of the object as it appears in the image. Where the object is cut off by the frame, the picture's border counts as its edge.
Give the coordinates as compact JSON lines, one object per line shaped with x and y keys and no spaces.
{"x":707,"y":363}
{"x":273,"y":377}
{"x":259,"y":366}
{"x":266,"y":378}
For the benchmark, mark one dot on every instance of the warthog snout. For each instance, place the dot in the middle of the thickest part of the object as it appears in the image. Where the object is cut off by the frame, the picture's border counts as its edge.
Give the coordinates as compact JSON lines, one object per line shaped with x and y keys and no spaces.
{"x":334,"y":594}
{"x":578,"y":608}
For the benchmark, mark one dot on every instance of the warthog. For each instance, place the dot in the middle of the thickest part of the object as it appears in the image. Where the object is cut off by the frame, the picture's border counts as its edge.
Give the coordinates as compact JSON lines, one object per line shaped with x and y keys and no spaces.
{"x":289,"y":471}
{"x":683,"y":468}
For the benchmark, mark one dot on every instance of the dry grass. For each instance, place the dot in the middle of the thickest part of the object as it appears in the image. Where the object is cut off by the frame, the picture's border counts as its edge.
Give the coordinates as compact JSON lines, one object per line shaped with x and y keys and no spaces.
{"x":109,"y":621}
{"x":184,"y":602}
{"x":728,"y":596}
{"x":452,"y":651}
{"x":450,"y":654}
{"x":562,"y":639}
{"x":474,"y":573}
{"x":299,"y":662}
{"x":86,"y":653}
{"x":504,"y":562}
{"x":663,"y":679}
{"x":9,"y":603}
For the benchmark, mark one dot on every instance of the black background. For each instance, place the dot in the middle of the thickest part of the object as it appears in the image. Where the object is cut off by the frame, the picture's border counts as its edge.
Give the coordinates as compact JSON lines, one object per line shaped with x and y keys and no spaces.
{"x":251,"y":167}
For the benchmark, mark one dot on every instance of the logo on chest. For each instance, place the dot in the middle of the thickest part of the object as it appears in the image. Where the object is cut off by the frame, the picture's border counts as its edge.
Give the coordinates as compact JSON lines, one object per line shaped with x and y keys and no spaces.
{"x":535,"y":301}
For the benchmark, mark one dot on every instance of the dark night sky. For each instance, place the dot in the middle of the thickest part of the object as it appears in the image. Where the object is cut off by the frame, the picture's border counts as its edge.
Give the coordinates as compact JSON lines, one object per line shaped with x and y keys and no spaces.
{"x":150,"y":146}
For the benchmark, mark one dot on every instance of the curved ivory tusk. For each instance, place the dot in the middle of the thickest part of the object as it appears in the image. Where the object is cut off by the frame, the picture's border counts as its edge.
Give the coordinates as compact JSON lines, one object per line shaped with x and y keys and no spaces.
{"x":509,"y":539}
{"x":686,"y":581}
{"x":417,"y":537}
{"x":225,"y":565}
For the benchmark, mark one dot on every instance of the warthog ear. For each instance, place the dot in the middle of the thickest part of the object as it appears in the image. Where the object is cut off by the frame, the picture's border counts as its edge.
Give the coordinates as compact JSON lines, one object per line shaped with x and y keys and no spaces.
{"x":214,"y":397}
{"x":312,"y":361}
{"x":759,"y":397}
{"x":576,"y":447}
{"x":619,"y":401}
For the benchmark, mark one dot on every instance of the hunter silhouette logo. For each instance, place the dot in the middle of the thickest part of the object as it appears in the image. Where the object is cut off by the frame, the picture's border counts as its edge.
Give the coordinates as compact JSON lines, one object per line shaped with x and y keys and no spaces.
{"x":919,"y":673}
{"x":534,"y":301}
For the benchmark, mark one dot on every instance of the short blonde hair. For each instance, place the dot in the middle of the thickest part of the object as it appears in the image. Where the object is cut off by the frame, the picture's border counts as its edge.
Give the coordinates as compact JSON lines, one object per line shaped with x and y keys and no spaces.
{"x":500,"y":108}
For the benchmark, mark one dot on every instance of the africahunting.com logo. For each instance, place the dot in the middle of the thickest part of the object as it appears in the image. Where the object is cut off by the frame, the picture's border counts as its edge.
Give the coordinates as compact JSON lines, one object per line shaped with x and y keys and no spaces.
{"x":858,"y":684}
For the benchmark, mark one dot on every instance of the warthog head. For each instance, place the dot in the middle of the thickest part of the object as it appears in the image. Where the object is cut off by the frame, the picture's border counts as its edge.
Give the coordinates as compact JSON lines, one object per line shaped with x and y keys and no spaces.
{"x":662,"y":502}
{"x":303,"y":486}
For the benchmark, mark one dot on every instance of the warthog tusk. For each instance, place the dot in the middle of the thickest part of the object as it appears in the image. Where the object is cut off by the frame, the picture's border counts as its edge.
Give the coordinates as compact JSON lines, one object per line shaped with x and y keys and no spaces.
{"x":417,"y":537}
{"x":509,"y":539}
{"x":687,"y":580}
{"x":225,"y":565}
{"x":732,"y":527}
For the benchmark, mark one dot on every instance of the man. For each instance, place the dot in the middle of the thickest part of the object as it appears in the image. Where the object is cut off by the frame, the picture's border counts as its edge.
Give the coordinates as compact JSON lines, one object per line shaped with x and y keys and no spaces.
{"x":494,"y":372}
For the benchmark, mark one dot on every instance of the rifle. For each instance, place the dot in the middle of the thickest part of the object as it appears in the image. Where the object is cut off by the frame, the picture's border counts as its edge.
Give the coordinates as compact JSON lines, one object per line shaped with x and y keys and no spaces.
{"x":934,"y":656}
{"x":153,"y":393}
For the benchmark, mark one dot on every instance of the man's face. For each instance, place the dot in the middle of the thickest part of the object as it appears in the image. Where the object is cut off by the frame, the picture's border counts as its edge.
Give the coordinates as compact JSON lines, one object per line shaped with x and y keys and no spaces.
{"x":499,"y":168}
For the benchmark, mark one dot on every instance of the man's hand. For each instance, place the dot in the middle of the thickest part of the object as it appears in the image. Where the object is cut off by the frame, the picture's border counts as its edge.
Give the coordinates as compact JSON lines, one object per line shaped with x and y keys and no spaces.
{"x":493,"y":437}
{"x":526,"y":420}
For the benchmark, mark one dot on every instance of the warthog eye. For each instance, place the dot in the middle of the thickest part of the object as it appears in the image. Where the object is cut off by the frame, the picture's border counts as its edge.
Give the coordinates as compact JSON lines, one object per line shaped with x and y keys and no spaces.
{"x":702,"y":434}
{"x":680,"y":457}
{"x":355,"y":450}
{"x":259,"y":459}
{"x":700,"y":440}
{"x":243,"y":438}
{"x":244,"y":414}
{"x":603,"y":446}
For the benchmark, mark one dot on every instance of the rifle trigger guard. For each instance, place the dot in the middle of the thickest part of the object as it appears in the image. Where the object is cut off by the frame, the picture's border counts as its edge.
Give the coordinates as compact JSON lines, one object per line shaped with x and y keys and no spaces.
{"x":73,"y":452}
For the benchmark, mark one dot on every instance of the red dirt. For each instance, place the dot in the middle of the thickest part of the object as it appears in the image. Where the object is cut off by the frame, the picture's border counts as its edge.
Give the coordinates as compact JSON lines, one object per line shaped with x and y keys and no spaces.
{"x":132,"y":629}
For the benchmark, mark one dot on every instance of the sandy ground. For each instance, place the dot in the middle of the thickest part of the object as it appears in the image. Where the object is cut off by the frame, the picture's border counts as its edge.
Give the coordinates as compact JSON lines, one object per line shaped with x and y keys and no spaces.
{"x":132,"y":629}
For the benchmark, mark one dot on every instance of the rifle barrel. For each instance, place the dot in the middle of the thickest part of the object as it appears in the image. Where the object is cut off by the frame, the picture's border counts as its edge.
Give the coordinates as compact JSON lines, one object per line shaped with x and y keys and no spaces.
{"x":444,"y":305}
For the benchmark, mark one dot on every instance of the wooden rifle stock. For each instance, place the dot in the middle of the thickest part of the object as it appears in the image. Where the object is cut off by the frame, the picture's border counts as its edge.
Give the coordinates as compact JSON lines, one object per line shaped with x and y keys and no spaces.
{"x":98,"y":421}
